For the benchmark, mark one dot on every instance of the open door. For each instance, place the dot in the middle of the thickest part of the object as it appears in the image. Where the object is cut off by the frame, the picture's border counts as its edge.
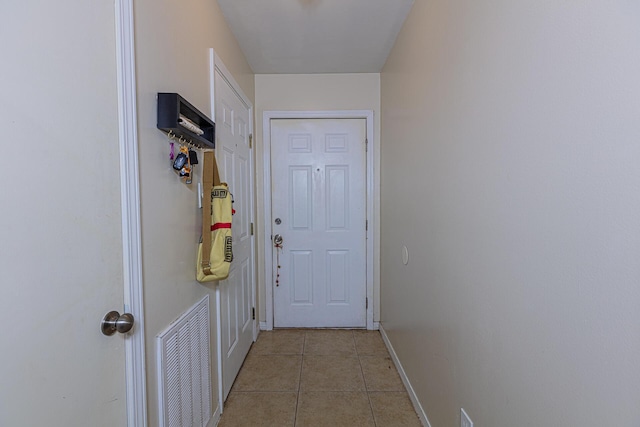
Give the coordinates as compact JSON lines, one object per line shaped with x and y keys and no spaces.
{"x":61,"y":232}
{"x":233,"y":118}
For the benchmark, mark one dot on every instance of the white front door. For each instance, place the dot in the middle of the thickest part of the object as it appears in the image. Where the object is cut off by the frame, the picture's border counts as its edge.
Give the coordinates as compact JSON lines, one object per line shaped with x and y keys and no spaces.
{"x":236,"y":292}
{"x":61,"y":251}
{"x":318,"y":203}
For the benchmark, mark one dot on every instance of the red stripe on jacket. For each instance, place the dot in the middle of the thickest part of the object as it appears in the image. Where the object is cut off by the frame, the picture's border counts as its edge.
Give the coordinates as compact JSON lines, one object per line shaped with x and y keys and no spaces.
{"x":219,"y":225}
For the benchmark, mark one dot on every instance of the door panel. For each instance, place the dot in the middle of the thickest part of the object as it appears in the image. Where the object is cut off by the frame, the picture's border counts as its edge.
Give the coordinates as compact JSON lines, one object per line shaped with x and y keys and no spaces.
{"x":242,"y":202}
{"x":301,"y":277}
{"x":318,"y":192}
{"x":301,"y":197}
{"x":236,"y":292}
{"x":337,"y":197}
{"x":60,"y":233}
{"x":337,"y":277}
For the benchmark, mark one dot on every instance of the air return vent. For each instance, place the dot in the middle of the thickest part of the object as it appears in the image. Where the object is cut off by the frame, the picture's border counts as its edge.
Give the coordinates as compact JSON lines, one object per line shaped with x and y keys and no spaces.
{"x":184,"y":371}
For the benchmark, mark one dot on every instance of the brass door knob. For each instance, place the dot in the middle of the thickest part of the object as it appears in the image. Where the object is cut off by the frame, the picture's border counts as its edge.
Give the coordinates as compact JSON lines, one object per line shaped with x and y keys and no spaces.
{"x":115,"y":322}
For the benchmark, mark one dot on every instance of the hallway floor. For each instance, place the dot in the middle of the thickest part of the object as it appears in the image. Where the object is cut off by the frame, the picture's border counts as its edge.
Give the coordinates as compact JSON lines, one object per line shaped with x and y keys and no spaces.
{"x":308,"y":378}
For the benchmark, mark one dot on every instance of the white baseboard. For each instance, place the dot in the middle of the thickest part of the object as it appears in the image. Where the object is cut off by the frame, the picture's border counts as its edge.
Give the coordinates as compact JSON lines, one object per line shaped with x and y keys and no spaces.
{"x":412,"y":394}
{"x":264,"y":327}
{"x":215,"y":419}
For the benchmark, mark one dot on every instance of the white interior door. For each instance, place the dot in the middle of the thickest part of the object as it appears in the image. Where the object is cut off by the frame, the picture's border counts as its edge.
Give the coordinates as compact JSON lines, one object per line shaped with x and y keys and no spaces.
{"x":318,"y":204}
{"x":236,"y":292}
{"x":61,"y":267}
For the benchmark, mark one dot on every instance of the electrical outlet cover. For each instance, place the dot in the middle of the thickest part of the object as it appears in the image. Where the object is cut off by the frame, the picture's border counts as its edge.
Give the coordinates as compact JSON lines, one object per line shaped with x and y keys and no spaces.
{"x":465,"y":421}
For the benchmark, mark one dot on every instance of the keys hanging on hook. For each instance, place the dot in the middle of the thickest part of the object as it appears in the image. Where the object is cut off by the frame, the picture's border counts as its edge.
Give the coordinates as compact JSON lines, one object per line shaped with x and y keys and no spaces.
{"x":172,"y":153}
{"x":183,"y":165}
{"x":181,"y":159}
{"x":193,"y":161}
{"x":186,"y":172}
{"x":193,"y":157}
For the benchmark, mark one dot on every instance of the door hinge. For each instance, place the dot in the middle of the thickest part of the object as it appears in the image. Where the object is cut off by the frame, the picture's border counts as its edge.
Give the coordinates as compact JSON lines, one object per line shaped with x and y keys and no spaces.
{"x":366,"y":304}
{"x":366,"y":225}
{"x":250,"y":140}
{"x":366,"y":144}
{"x":253,"y":313}
{"x":252,"y":229}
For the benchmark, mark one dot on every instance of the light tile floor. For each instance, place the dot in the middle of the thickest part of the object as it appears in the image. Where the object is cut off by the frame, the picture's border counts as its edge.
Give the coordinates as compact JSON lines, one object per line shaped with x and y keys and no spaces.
{"x":315,"y":377}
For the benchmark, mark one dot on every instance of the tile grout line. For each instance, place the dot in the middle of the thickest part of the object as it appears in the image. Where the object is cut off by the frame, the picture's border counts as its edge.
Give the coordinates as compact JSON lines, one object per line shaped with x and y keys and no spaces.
{"x":364,"y":380}
{"x":366,"y":353}
{"x":295,"y":417}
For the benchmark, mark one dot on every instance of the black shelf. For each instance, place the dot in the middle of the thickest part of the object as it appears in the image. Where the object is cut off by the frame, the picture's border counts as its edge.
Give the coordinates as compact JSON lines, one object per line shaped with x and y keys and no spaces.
{"x":171,"y":106}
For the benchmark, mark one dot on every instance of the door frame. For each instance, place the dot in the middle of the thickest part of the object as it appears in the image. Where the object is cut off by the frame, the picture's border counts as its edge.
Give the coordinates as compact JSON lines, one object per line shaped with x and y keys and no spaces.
{"x":215,"y":63}
{"x":134,"y":344}
{"x":370,"y":194}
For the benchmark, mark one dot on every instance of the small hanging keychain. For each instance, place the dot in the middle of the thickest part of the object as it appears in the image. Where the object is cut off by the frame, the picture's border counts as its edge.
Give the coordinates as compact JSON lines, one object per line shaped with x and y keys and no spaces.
{"x":278,"y":243}
{"x":192,"y":161}
{"x":172,"y":154}
{"x":278,"y":247}
{"x":181,"y":159}
{"x":183,"y":165}
{"x":185,"y":172}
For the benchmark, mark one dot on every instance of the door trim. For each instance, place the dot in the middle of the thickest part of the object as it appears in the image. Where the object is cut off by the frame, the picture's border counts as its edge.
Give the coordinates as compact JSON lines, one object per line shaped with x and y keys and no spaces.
{"x":370,"y":190}
{"x":134,"y":344}
{"x":215,"y":63}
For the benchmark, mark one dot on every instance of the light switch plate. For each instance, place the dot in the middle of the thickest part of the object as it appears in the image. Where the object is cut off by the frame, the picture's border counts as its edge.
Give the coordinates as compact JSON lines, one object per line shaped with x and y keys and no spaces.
{"x":465,"y":421}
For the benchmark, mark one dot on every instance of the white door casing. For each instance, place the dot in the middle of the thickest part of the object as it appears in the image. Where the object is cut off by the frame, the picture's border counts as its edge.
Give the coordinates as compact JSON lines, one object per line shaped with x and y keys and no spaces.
{"x":135,"y":365}
{"x":235,"y":295}
{"x":371,"y":217}
{"x":318,"y":203}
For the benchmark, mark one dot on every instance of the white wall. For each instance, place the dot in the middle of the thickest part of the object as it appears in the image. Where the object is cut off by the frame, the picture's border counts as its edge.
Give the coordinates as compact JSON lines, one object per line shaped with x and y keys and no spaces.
{"x":511,"y":170}
{"x":172,"y":42}
{"x":312,"y":92}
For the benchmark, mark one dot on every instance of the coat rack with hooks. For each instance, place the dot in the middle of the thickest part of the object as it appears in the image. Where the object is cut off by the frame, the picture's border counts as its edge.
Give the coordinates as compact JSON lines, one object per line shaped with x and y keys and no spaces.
{"x":183,"y":122}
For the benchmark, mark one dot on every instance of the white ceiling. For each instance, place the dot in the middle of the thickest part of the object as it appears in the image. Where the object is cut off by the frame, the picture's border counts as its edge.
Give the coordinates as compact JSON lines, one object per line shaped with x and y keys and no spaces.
{"x":316,"y":36}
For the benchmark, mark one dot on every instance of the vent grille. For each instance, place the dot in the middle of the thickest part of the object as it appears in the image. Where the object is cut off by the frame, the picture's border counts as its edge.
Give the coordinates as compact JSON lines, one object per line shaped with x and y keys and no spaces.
{"x":184,"y":371}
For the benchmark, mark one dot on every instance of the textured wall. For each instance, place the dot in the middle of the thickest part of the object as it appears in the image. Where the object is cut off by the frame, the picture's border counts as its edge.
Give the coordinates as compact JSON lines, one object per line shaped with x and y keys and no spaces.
{"x":510,"y":169}
{"x":172,"y":42}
